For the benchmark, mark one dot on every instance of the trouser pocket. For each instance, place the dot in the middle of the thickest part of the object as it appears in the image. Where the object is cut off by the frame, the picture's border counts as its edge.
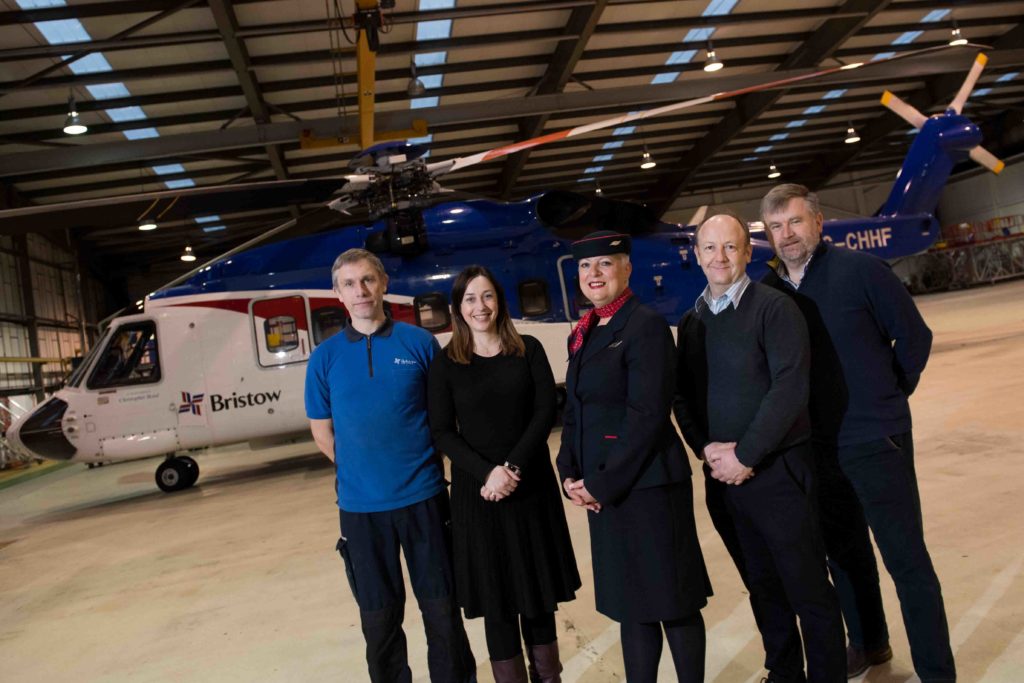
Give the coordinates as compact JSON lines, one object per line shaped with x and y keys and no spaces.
{"x":342,"y":549}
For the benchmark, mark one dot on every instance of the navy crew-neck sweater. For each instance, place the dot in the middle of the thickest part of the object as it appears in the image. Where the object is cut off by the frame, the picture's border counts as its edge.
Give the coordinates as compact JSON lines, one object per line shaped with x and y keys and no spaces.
{"x":743,"y":376}
{"x":869,"y":345}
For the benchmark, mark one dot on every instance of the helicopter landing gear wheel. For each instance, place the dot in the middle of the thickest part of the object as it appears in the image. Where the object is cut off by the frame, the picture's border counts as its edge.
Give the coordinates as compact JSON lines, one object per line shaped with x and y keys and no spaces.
{"x":193,"y":470}
{"x":174,"y":475}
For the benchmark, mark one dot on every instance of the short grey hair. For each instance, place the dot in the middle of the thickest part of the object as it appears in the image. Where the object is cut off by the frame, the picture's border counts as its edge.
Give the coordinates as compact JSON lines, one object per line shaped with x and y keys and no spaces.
{"x":355,"y":256}
{"x":780,"y":195}
{"x":731,"y":214}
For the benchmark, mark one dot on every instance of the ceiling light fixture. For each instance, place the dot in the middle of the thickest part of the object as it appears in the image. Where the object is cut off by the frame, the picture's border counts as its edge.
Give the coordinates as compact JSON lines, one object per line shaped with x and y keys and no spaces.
{"x":415,"y":88}
{"x":188,"y":256}
{"x":955,"y":38}
{"x":647,"y":161}
{"x":773,"y":172}
{"x":597,"y":189}
{"x":147,"y":224}
{"x":851,"y":135}
{"x":73,"y":124}
{"x":712,"y":63}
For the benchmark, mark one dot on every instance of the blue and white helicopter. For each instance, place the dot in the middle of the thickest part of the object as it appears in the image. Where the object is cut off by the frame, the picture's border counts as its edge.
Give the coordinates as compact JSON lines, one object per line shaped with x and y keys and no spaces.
{"x":219,"y":356}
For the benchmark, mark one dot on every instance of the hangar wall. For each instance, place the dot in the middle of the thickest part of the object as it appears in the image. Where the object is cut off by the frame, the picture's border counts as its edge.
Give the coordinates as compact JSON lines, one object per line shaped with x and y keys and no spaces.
{"x":44,"y":314}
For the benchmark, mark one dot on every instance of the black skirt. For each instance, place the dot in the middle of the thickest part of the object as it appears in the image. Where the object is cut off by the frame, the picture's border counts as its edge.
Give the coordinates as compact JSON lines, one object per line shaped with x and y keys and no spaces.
{"x":513,"y":556}
{"x":648,"y":565}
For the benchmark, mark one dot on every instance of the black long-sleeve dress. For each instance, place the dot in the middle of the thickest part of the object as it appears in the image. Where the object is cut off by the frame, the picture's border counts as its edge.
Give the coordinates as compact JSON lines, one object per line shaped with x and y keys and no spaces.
{"x":513,"y":556}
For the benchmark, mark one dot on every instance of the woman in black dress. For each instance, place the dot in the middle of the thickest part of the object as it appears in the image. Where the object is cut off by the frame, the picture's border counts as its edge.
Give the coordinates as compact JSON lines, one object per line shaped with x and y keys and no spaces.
{"x":622,"y":460}
{"x":492,"y":406}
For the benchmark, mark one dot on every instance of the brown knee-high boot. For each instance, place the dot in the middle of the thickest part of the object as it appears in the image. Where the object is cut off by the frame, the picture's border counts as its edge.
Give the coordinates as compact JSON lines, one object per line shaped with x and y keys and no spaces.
{"x":509,"y":670}
{"x":545,"y":666}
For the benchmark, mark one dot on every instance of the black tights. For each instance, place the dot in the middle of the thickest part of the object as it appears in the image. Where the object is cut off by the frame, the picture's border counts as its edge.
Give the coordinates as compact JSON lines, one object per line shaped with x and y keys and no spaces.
{"x":503,"y":634}
{"x":641,"y":649}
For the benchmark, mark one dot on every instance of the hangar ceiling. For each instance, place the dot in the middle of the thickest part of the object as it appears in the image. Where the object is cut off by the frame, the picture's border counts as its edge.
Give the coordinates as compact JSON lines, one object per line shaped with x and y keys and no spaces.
{"x":182,"y":93}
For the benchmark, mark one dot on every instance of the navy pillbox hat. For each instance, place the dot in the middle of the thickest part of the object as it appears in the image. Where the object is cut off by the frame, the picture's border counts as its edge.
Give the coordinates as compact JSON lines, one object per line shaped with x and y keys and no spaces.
{"x":601,"y":243}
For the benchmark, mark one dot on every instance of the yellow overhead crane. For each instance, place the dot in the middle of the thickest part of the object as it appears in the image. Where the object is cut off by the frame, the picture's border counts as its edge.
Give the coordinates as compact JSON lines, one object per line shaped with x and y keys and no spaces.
{"x":367,"y":22}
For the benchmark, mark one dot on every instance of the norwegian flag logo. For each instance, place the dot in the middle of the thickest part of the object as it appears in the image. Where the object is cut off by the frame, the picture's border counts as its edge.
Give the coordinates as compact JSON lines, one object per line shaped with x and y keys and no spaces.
{"x":191,"y":403}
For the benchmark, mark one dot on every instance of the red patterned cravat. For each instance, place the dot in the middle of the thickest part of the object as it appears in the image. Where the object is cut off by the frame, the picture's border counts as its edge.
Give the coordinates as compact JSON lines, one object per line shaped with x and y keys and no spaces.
{"x":586,"y":322}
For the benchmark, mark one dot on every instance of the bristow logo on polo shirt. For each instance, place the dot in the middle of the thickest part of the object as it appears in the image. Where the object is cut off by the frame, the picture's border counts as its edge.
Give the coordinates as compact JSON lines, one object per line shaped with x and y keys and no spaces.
{"x":404,"y":361}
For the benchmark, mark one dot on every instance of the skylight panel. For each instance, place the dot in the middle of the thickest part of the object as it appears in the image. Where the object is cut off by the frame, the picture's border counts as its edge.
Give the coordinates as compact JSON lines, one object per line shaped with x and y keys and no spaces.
{"x":432,"y":81}
{"x":40,"y":4}
{"x":108,"y":91}
{"x":213,"y":228}
{"x":763,"y":148}
{"x":603,"y":157}
{"x":681,"y":57}
{"x":906,"y":38}
{"x":424,"y":140}
{"x":178,"y":184}
{"x":166,"y":169}
{"x":434,"y":30}
{"x":753,"y":158}
{"x":834,"y":94}
{"x":141,"y":133}
{"x":883,"y":55}
{"x":796,"y":123}
{"x":718,"y":8}
{"x":424,"y":102}
{"x":92,"y":63}
{"x":814,"y":109}
{"x":63,"y":31}
{"x":624,"y":130}
{"x":207,"y":219}
{"x":431,"y":58}
{"x":778,"y":137}
{"x":614,"y":144}
{"x":436,"y":4}
{"x":132,"y":113}
{"x":981,"y":92}
{"x":665,"y":77}
{"x":589,"y":170}
{"x":1008,"y":77}
{"x":936,"y":15}
{"x":698,"y":34}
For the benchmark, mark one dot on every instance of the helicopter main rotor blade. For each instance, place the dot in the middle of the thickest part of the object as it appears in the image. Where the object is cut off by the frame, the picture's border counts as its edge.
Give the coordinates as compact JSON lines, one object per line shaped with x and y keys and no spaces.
{"x":905,"y":111}
{"x":987,"y":159}
{"x":442,"y":167}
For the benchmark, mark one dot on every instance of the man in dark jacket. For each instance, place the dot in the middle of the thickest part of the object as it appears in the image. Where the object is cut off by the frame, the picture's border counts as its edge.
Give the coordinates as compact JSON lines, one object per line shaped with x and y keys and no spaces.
{"x":741,"y":401}
{"x":869,"y":346}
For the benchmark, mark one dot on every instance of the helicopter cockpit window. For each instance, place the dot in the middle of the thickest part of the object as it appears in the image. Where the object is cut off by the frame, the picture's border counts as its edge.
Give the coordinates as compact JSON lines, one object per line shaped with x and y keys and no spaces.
{"x":327,"y":322}
{"x":533,"y":298}
{"x":281,"y":333}
{"x":432,"y":312}
{"x":129,"y":357}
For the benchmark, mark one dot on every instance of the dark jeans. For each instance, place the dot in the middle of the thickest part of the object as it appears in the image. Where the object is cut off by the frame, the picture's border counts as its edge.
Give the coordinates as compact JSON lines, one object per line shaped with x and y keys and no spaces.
{"x":882,"y":473}
{"x":370,"y":544}
{"x":851,"y":558}
{"x":775,"y":516}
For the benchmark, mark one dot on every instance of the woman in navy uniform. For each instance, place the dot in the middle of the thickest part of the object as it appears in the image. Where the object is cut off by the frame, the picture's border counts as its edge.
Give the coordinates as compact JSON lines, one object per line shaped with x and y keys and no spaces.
{"x":622,"y":460}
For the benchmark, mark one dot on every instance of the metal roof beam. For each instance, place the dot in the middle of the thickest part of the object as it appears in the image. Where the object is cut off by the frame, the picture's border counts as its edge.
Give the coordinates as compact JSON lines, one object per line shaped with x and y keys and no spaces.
{"x":563,"y":62}
{"x":852,"y":15}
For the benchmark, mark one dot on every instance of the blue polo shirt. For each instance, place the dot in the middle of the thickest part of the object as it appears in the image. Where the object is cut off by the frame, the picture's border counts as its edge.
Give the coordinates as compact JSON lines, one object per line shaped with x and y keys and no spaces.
{"x":374,"y":388}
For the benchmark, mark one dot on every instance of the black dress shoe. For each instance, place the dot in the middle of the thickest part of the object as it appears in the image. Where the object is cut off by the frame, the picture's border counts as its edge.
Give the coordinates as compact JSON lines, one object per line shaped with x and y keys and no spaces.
{"x":858,"y":661}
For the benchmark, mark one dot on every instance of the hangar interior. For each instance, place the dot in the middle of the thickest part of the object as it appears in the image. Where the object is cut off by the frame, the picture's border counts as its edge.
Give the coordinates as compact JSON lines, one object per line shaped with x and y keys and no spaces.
{"x":181,"y":94}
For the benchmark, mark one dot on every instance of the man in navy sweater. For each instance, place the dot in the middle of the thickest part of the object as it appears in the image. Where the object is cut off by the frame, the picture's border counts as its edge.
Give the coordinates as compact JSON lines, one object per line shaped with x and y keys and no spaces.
{"x":869,"y":346}
{"x":741,"y":403}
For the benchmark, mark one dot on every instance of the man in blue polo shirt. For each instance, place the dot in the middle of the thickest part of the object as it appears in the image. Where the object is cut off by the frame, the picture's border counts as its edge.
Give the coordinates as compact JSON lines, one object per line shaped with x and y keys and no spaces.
{"x":366,"y":404}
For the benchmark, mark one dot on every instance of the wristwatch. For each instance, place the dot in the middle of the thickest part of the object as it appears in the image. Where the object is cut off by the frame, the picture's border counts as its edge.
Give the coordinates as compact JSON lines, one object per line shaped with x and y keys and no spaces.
{"x":514,"y":468}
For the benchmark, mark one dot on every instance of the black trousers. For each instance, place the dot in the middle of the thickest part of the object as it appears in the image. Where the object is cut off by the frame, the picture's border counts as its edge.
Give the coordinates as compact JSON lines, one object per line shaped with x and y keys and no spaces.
{"x":882,"y":473}
{"x":851,"y":557}
{"x":370,"y":544}
{"x":778,"y":544}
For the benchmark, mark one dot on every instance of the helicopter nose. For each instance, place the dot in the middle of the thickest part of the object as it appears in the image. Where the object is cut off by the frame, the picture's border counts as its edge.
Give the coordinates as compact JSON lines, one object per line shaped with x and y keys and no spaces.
{"x":40,"y":433}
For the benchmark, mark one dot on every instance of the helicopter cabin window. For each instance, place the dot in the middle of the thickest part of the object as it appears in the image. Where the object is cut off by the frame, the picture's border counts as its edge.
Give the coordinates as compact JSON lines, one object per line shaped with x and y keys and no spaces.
{"x":533,"y":298}
{"x":281,"y":333}
{"x":327,"y":322}
{"x":432,"y":311}
{"x":130,"y":357}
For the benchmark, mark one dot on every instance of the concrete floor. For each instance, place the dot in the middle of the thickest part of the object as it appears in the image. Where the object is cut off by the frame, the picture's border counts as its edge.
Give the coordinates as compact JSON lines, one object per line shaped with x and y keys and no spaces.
{"x":104,"y":578}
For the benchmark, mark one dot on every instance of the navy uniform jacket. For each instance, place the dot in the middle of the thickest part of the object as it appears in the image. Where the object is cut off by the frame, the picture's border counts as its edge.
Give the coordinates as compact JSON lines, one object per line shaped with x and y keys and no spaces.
{"x":616,"y":433}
